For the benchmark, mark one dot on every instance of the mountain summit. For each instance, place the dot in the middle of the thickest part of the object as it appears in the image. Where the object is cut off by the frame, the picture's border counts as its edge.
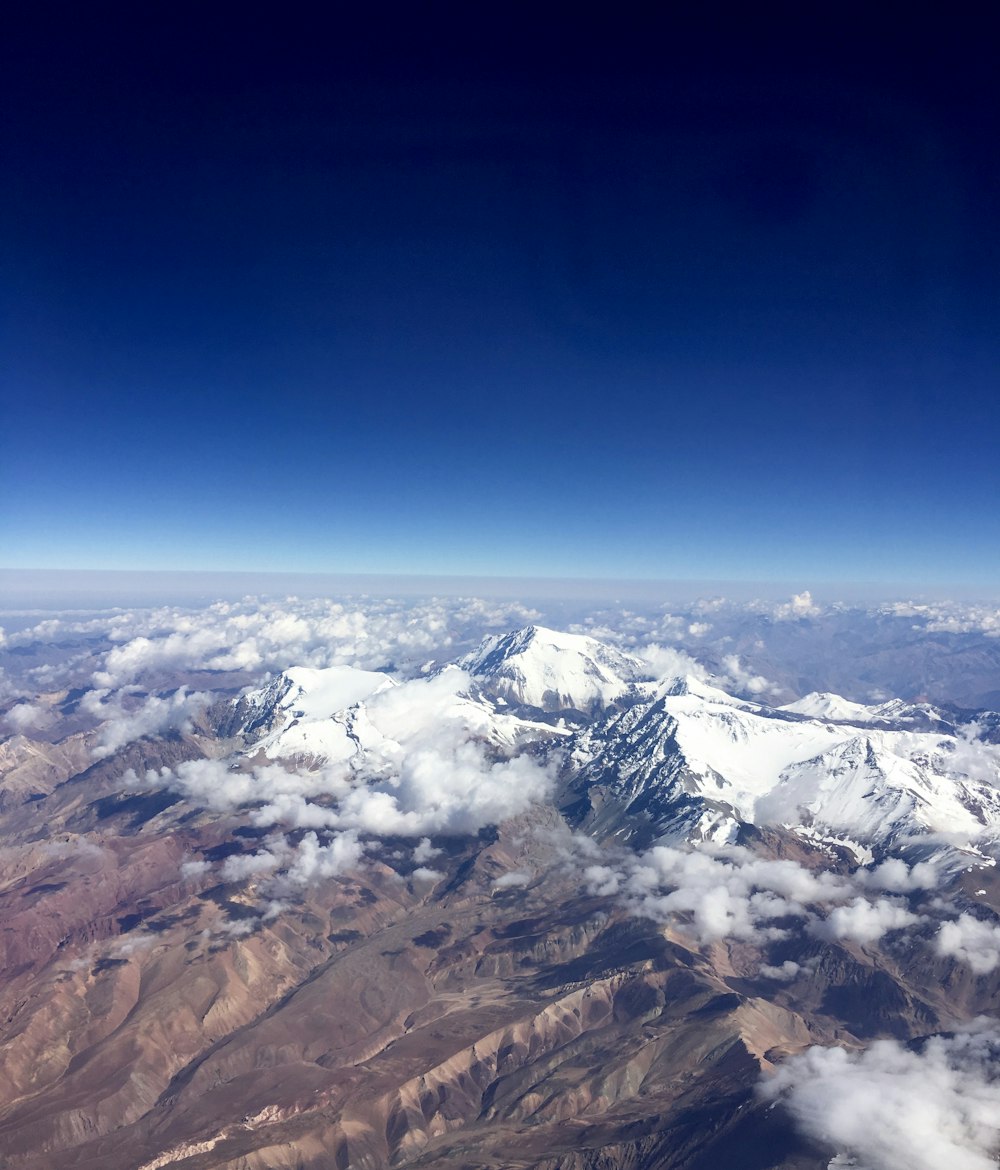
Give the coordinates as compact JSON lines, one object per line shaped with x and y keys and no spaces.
{"x":544,"y":668}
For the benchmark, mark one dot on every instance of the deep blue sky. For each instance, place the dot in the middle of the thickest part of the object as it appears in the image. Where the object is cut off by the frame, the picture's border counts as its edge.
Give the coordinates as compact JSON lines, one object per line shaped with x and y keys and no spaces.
{"x":501,"y":293}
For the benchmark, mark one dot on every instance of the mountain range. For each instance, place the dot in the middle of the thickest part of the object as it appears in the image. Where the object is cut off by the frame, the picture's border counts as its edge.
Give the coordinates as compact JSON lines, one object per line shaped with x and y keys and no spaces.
{"x":533,"y":908}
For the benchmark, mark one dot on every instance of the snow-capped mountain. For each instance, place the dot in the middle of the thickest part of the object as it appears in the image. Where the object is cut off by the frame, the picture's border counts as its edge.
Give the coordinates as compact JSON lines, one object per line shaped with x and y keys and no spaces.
{"x":677,"y":760}
{"x":340,"y":714}
{"x":368,"y":875}
{"x":294,"y":714}
{"x":693,"y":762}
{"x":538,"y":667}
{"x":896,"y":712}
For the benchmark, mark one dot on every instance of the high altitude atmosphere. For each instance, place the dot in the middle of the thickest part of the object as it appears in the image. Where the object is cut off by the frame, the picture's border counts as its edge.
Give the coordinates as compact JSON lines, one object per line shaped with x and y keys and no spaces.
{"x":501,"y":291}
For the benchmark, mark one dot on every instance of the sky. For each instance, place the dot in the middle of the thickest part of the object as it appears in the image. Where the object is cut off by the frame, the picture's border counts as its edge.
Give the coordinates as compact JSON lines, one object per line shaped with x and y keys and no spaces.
{"x":501,"y":291}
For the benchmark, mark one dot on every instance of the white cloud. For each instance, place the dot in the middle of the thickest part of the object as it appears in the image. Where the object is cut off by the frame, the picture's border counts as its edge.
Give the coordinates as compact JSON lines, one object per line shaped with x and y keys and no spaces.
{"x":243,"y":866}
{"x":738,"y":678}
{"x":972,"y":941}
{"x":893,"y":1108}
{"x":255,"y":636}
{"x":313,"y":861}
{"x":671,"y":662}
{"x":784,"y":973}
{"x":895,"y":876}
{"x":23,"y":717}
{"x":424,"y":851}
{"x":863,"y":921}
{"x":120,"y":724}
{"x":972,"y":757}
{"x":723,"y":893}
{"x":194,"y":868}
{"x":954,"y":618}
{"x":800,"y":606}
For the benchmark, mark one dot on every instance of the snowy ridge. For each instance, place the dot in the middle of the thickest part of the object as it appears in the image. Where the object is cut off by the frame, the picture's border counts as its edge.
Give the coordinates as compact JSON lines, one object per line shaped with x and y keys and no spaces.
{"x":836,"y":709}
{"x":888,"y":789}
{"x":678,"y":760}
{"x":696,"y":763}
{"x":538,"y":667}
{"x":821,"y":705}
{"x":338,"y":715}
{"x":296,"y":711}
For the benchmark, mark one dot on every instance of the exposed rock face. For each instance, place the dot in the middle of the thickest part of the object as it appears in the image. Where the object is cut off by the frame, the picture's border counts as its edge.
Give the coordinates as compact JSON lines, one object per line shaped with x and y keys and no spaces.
{"x":150,"y":1021}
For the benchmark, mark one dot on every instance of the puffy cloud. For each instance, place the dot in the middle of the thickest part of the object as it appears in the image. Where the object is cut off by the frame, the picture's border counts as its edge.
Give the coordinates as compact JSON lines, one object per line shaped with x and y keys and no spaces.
{"x":246,"y":865}
{"x":784,"y":973}
{"x":282,"y":866}
{"x":225,"y":785}
{"x":194,"y":868}
{"x":119,"y":724}
{"x":255,"y":636}
{"x":428,"y":767}
{"x":313,"y":861}
{"x":800,"y":606}
{"x":972,"y":941}
{"x":25,"y":717}
{"x":895,"y":876}
{"x":739,"y":678}
{"x":671,"y":662}
{"x":964,"y":619}
{"x":863,"y":921}
{"x":970,"y":756}
{"x":424,"y":851}
{"x":893,"y":1107}
{"x":730,"y":893}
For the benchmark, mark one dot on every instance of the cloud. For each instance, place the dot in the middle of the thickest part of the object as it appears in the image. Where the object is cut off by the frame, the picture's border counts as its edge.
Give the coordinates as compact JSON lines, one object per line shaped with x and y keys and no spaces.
{"x":972,"y":941}
{"x":671,"y":662}
{"x":964,"y":619}
{"x":863,"y":921}
{"x":313,"y":862}
{"x":428,"y":766}
{"x":729,"y":893}
{"x":896,"y":1108}
{"x":972,"y":757}
{"x":424,"y":851}
{"x":120,"y":725}
{"x":281,"y":866}
{"x":738,"y":678}
{"x":194,"y":868}
{"x":264,"y":861}
{"x":895,"y":876}
{"x":785,"y":973}
{"x":254,"y":636}
{"x":23,"y":717}
{"x":800,"y":606}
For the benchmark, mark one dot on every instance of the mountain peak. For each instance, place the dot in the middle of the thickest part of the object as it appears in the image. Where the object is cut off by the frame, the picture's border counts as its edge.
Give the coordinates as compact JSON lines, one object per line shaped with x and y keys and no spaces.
{"x":553,"y":670}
